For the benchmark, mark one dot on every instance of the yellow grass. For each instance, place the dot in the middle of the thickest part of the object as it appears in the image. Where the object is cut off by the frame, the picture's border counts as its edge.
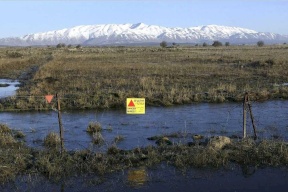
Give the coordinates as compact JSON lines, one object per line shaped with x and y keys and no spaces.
{"x":104,"y":77}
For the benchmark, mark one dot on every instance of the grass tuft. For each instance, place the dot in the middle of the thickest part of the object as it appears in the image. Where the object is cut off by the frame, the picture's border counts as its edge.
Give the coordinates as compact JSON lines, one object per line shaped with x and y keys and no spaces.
{"x":94,"y":127}
{"x":52,"y":140}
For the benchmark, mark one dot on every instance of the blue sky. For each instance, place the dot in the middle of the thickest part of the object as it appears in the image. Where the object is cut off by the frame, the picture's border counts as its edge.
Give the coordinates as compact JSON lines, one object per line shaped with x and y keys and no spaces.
{"x":18,"y":18}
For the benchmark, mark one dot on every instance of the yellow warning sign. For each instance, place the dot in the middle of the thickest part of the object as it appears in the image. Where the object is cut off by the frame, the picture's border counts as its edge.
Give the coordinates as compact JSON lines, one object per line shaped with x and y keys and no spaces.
{"x":135,"y":106}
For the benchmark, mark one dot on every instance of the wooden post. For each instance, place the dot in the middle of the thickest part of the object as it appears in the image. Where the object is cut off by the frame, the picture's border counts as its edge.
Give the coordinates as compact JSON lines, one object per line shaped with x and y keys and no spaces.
{"x":252,"y":118}
{"x":244,"y":114}
{"x":60,"y":123}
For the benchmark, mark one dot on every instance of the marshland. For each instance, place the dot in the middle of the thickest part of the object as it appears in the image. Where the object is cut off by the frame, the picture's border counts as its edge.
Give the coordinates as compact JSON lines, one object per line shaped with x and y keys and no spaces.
{"x":188,"y":90}
{"x":102,"y":77}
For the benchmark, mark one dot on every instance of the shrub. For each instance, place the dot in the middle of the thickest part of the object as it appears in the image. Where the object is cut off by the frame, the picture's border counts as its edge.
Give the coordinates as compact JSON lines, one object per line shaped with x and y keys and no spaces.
{"x":78,"y":46}
{"x":260,"y":43}
{"x":163,"y":44}
{"x":205,"y":44}
{"x":217,"y":44}
{"x":227,"y":44}
{"x":60,"y":45}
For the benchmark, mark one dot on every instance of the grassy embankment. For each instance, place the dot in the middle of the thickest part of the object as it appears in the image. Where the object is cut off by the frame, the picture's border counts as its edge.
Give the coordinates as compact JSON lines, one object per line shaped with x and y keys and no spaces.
{"x":104,"y":77}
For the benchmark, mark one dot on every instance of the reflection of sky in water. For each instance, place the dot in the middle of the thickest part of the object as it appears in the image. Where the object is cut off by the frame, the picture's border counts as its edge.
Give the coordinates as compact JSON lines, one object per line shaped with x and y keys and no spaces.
{"x":10,"y":90}
{"x":271,"y":118}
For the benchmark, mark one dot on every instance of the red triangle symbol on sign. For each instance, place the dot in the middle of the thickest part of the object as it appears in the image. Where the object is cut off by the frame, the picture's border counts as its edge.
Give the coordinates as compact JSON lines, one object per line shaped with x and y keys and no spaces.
{"x":131,"y":104}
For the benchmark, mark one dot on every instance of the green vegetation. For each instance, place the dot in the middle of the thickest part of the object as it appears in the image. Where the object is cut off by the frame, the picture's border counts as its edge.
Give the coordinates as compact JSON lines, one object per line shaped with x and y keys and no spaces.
{"x":260,"y":43}
{"x":217,"y":44}
{"x":163,"y":44}
{"x":61,"y":45}
{"x":103,"y":77}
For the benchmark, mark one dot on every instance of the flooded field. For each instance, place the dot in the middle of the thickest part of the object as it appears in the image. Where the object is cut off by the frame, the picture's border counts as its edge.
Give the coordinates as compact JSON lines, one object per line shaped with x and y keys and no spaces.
{"x":271,"y":119}
{"x":164,"y":178}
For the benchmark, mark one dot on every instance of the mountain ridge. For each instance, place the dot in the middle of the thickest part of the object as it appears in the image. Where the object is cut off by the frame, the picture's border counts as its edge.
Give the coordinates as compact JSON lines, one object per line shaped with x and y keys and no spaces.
{"x":141,"y":33}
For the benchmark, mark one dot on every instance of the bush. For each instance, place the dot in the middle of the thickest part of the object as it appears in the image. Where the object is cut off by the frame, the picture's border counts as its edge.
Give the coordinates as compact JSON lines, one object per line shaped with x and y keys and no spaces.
{"x":60,"y":45}
{"x":227,"y":44}
{"x":78,"y":46}
{"x":217,"y":44}
{"x":205,"y":44}
{"x":260,"y":43}
{"x":163,"y":44}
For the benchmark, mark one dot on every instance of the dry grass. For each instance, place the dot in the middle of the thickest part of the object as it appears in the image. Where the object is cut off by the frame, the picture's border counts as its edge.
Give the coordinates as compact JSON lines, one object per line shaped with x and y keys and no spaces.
{"x":98,"y":139}
{"x":52,"y":140}
{"x":105,"y":77}
{"x":94,"y":127}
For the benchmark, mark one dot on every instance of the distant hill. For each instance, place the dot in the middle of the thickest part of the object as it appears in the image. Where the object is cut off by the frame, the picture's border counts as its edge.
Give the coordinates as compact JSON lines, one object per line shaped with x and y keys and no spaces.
{"x":140,"y":33}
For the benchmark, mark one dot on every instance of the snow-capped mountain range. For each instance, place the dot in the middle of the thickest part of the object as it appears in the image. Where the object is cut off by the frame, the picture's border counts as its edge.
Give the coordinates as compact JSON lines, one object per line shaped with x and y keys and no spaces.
{"x":140,"y":33}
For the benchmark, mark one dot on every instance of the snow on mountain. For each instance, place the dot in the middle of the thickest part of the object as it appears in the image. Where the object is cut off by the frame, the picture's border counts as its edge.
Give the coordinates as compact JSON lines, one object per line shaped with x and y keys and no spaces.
{"x":140,"y":33}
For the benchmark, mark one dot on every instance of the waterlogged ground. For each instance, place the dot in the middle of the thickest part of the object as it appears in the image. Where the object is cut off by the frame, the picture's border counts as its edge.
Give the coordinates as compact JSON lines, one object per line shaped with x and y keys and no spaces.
{"x":165,"y":178}
{"x":271,"y":119}
{"x":8,"y":87}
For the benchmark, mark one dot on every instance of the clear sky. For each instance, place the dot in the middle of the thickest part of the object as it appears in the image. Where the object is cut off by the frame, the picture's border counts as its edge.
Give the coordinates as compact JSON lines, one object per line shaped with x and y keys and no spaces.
{"x":18,"y":18}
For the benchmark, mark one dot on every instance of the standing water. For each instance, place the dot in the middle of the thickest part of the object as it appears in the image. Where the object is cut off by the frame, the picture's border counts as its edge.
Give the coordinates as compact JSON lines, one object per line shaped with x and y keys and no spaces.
{"x":8,"y":87}
{"x":271,"y":119}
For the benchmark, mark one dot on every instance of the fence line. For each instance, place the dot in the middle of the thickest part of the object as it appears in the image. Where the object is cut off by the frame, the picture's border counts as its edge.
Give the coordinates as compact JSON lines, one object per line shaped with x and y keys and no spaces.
{"x":196,"y":116}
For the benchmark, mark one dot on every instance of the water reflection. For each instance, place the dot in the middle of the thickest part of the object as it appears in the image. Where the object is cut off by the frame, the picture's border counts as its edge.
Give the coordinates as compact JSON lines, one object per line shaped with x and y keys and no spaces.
{"x":163,"y":178}
{"x":137,"y":177}
{"x":271,"y":119}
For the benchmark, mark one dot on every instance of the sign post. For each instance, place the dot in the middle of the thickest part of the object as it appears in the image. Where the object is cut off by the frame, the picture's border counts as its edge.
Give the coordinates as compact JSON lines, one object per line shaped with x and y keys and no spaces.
{"x":60,"y":123}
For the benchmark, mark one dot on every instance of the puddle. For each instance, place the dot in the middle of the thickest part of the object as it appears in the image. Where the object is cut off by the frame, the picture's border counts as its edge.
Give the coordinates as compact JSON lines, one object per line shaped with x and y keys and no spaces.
{"x":8,"y":87}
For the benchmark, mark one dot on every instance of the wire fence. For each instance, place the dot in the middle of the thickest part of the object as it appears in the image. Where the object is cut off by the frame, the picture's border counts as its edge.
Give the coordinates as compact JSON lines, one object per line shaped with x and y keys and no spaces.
{"x":208,"y":119}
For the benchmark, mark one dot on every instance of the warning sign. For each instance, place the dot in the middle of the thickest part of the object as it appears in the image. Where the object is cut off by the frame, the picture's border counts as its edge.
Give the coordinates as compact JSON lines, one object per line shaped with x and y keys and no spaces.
{"x":49,"y":98}
{"x":135,"y":106}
